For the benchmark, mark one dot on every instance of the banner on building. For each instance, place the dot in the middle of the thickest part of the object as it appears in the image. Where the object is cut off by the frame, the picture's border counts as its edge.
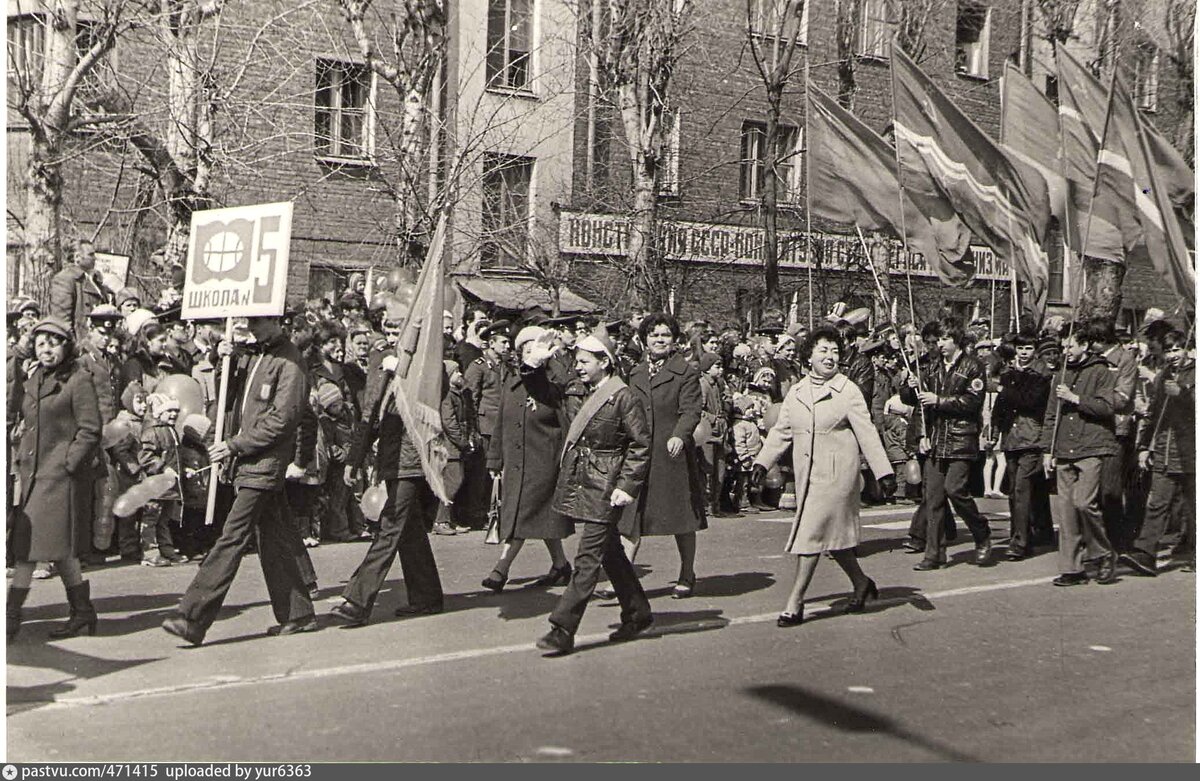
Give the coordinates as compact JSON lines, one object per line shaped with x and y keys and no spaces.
{"x":114,"y":269}
{"x":587,"y":233}
{"x":237,"y":262}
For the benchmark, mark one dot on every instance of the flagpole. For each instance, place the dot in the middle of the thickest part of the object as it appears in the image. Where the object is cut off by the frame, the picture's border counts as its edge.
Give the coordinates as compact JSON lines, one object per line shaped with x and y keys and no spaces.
{"x":1062,"y":164}
{"x":808,"y":188}
{"x":879,"y":286}
{"x":912,"y":310}
{"x":1078,"y":295}
{"x":1014,"y":292}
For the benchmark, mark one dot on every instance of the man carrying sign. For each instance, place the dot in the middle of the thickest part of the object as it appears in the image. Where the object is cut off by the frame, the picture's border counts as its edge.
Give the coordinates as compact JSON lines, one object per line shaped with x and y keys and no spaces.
{"x":266,"y":415}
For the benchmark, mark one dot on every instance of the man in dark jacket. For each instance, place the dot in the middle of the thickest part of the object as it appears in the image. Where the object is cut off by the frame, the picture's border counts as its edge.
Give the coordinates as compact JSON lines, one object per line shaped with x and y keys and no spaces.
{"x":1167,"y":450}
{"x":1017,"y":415}
{"x":1077,"y":435}
{"x":78,"y":289}
{"x":266,"y":414}
{"x":1122,"y":512}
{"x":410,"y":502}
{"x":952,"y":406}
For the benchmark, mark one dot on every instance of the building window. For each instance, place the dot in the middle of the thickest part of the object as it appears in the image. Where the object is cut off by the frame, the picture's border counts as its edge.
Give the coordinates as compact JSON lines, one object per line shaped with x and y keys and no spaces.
{"x":972,"y":31}
{"x":668,"y":164}
{"x":507,"y":204}
{"x":509,"y":43}
{"x":875,"y":31}
{"x":1146,"y":78}
{"x":342,"y":116}
{"x":785,"y":160}
{"x":777,"y":18}
{"x":26,"y":49}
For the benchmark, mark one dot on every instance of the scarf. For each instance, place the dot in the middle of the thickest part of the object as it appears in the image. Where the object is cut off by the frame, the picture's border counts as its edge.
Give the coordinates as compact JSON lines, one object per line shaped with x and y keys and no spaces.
{"x":655,"y":366}
{"x":605,"y":391}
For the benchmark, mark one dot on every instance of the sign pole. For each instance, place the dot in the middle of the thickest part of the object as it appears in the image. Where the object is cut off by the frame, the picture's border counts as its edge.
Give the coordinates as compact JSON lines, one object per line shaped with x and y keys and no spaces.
{"x":219,"y":431}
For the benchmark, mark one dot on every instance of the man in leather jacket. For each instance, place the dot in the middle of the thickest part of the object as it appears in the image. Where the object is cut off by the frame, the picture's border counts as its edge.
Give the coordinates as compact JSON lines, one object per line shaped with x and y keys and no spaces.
{"x":953,"y":404}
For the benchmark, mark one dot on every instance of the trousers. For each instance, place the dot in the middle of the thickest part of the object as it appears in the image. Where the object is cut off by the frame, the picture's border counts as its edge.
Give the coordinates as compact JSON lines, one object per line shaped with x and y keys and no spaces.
{"x":1172,"y":496}
{"x":1079,"y":515}
{"x":264,"y":512}
{"x":1028,"y":499}
{"x":402,"y":532}
{"x":947,"y":484}
{"x":1122,"y":514}
{"x":600,"y":546}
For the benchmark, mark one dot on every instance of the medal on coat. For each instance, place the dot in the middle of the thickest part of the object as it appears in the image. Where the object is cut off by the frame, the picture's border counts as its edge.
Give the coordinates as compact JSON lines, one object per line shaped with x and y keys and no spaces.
{"x":531,"y":403}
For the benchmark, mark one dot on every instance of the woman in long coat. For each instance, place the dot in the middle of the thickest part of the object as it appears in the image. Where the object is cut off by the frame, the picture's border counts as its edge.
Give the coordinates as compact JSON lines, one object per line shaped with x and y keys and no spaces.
{"x":524,"y":451}
{"x":57,"y":416}
{"x":825,"y":419}
{"x":603,"y":468}
{"x":668,"y":388}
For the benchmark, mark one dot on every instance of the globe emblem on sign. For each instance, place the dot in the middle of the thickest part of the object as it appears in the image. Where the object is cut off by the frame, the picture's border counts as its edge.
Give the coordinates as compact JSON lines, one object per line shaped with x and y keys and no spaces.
{"x":223,"y":251}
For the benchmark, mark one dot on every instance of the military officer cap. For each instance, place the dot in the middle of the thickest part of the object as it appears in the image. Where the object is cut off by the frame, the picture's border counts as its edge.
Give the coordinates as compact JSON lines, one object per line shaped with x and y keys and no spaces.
{"x":498,"y":328}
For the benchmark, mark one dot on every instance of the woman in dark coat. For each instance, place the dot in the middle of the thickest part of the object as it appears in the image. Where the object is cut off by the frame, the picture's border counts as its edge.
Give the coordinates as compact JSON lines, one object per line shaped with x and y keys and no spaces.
{"x":668,"y":388}
{"x":602,"y":469}
{"x":524,"y":451}
{"x":150,"y":360}
{"x":57,"y":417}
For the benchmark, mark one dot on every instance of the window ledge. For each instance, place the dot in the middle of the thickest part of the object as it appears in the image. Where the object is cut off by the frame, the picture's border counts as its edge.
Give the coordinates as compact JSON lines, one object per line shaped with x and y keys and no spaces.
{"x":346,"y":162}
{"x":878,"y":59}
{"x":510,"y":92}
{"x":972,"y":76}
{"x":757,"y":202}
{"x":766,"y":36}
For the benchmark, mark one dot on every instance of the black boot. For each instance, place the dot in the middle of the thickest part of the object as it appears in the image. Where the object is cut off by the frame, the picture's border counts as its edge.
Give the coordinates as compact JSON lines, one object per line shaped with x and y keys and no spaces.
{"x":16,"y":598}
{"x":83,"y":613}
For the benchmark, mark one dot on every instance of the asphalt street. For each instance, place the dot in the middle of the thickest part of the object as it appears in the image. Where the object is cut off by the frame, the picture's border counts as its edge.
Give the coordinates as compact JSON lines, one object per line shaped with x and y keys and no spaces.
{"x":960,"y":664}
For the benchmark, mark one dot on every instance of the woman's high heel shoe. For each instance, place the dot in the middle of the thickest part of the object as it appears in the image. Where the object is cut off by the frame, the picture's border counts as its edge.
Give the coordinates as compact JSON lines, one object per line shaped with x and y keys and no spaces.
{"x":684,"y":588}
{"x":786,"y":620}
{"x":858,"y":602}
{"x":495,"y":581}
{"x":557,"y":576}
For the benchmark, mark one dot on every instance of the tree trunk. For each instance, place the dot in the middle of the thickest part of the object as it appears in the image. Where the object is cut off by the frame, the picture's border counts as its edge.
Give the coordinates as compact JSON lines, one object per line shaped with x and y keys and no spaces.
{"x":847,"y":13}
{"x":643,"y":259}
{"x":881,"y":259}
{"x":43,"y":219}
{"x":770,"y":201}
{"x":1101,"y":298}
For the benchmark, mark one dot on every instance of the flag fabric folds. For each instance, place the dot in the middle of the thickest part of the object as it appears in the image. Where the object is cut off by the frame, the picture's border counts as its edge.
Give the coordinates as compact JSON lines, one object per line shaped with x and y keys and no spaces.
{"x":1002,"y":200}
{"x":854,"y":170}
{"x":417,"y":384}
{"x":1025,"y":118}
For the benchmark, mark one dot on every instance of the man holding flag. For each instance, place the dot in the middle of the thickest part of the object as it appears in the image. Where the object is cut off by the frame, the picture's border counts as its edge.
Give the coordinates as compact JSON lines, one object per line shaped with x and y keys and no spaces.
{"x":403,"y":409}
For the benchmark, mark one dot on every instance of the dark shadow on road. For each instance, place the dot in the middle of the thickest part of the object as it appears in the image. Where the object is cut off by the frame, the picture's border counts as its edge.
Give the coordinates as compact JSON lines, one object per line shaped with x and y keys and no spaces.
{"x":848,"y":718}
{"x":50,"y":656}
{"x":148,"y":612}
{"x":671,"y":623}
{"x":735,"y":585}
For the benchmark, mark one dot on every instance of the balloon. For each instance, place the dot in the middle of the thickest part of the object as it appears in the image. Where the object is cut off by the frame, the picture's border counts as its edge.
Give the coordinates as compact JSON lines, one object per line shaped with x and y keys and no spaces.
{"x":912,"y":472}
{"x":774,"y":478}
{"x":115,"y":431}
{"x":382,"y":283}
{"x":125,"y":506}
{"x":187,"y":392}
{"x":703,"y":432}
{"x":197,"y":425}
{"x":160,"y":484}
{"x":771,"y":415}
{"x":399,"y":278}
{"x":372,"y":502}
{"x":380,"y":299}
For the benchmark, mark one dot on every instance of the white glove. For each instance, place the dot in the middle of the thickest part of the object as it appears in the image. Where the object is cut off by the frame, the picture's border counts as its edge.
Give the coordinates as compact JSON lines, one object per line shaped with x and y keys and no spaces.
{"x":620,"y":498}
{"x":294,"y":472}
{"x":389,"y":363}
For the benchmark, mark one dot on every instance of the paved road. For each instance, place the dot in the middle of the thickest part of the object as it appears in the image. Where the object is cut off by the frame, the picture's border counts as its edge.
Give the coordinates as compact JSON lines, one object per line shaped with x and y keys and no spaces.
{"x":960,"y":664}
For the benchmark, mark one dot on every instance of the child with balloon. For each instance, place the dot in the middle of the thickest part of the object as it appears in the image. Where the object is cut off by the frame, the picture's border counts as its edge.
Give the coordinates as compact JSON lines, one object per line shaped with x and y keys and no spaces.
{"x":160,"y":452}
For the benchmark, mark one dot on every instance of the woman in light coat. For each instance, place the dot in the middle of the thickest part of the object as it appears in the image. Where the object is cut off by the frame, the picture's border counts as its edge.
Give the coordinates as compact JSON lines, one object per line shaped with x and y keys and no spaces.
{"x":825,"y":418}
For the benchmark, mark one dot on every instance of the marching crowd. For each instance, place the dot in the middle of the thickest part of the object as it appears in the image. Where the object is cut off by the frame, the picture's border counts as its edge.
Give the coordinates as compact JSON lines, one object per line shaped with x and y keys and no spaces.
{"x":616,"y":429}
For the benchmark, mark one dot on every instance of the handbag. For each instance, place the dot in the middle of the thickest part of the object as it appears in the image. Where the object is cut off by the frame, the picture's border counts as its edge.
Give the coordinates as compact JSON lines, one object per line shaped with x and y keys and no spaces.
{"x":492,"y":535}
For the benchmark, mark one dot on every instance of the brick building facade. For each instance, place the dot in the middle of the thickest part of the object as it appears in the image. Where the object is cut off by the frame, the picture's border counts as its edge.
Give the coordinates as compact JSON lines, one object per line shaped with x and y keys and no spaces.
{"x":541,"y":169}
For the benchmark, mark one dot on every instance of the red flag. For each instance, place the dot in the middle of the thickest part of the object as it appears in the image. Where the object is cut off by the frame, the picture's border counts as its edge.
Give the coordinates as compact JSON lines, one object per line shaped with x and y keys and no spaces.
{"x":854,"y":170}
{"x":1002,"y":200}
{"x":1029,"y":131}
{"x":417,"y":385}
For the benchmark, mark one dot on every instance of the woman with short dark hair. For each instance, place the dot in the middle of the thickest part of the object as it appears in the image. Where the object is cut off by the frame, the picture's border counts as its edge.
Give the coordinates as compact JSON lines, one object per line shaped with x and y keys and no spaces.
{"x":825,"y":420}
{"x":58,"y":419}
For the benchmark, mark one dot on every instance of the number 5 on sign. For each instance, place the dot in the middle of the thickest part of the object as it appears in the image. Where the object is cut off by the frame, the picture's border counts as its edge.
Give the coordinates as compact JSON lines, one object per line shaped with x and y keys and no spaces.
{"x":237,"y":262}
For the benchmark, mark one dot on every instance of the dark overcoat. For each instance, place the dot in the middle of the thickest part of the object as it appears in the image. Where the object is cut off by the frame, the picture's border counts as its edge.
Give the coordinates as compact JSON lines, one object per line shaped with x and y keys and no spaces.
{"x":60,"y":418}
{"x":673,"y":499}
{"x":525,"y":448}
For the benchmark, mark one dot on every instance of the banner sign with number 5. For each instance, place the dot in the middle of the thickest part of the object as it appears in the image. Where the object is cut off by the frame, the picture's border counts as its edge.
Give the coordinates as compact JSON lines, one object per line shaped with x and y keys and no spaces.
{"x":237,"y":262}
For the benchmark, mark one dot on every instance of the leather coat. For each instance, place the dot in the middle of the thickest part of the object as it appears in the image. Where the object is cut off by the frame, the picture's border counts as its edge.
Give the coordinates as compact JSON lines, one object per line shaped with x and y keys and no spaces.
{"x":955,"y":421}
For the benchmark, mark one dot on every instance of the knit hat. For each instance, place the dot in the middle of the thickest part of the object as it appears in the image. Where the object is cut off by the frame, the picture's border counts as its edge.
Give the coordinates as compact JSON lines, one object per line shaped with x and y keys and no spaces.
{"x":133,"y":390}
{"x":127,"y":294}
{"x":530,"y":333}
{"x":709,"y":360}
{"x":764,"y":376}
{"x":451,"y":367}
{"x":160,"y":403}
{"x":1047,"y":343}
{"x":329,"y":395}
{"x":137,"y":319}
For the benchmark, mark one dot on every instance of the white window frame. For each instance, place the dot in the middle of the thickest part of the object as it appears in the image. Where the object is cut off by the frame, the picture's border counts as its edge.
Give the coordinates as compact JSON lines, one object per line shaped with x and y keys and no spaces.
{"x":519,"y":260}
{"x":792,"y":190}
{"x":668,"y":167}
{"x":977,"y":53}
{"x":366,"y":155}
{"x":764,"y":20}
{"x":1146,"y":82}
{"x":498,"y":82}
{"x":875,"y":30}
